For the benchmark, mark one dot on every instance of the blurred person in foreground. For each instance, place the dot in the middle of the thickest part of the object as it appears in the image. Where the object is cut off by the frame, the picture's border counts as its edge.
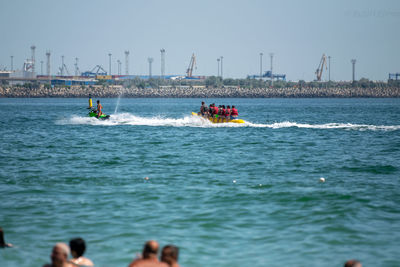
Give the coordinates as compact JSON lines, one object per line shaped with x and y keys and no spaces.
{"x":149,"y":256}
{"x":3,"y":243}
{"x":59,"y":256}
{"x":78,"y":247}
{"x":352,"y":263}
{"x":169,"y":255}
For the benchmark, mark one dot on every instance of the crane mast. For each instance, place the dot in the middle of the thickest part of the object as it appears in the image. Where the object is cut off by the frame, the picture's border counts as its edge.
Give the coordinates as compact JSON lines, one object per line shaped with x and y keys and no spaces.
{"x":192,"y":65}
{"x":321,"y":66}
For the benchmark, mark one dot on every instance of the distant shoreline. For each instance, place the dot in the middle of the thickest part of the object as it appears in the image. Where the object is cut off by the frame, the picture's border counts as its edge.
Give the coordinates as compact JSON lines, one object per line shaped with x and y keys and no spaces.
{"x":196,"y":92}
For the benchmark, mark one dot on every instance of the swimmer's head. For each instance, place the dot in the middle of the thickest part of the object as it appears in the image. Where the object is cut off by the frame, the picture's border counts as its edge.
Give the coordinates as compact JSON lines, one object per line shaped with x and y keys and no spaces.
{"x":170,"y":254}
{"x":59,"y":254}
{"x":352,"y":263}
{"x":150,"y":249}
{"x":77,"y":246}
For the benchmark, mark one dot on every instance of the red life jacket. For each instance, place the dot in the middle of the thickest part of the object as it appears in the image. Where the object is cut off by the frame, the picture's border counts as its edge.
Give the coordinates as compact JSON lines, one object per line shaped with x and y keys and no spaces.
{"x":215,"y":110}
{"x":234,"y":112}
{"x":227,"y":111}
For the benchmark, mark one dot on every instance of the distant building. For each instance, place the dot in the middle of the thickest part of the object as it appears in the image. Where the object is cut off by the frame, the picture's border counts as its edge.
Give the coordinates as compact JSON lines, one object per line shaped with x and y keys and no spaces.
{"x":70,"y":82}
{"x":5,"y":73}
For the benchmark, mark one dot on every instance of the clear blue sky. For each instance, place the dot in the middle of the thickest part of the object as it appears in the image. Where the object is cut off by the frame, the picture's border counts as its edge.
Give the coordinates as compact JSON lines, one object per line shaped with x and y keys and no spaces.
{"x":297,"y":32}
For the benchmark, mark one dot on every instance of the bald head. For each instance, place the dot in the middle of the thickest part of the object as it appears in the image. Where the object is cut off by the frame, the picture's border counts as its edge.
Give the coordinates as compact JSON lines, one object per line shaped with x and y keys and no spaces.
{"x":150,"y":249}
{"x":63,"y":248}
{"x":60,"y":253}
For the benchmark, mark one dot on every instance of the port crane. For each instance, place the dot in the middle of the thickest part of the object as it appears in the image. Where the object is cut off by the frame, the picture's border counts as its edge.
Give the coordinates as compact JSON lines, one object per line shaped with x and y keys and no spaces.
{"x":97,"y":70}
{"x":192,"y":65}
{"x":321,"y":66}
{"x":28,"y":64}
{"x":62,"y":69}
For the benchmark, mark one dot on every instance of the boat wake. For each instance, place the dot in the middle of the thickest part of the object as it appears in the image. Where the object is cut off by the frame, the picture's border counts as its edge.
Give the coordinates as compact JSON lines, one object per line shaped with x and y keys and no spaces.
{"x":193,"y":121}
{"x":345,"y":126}
{"x":129,"y":119}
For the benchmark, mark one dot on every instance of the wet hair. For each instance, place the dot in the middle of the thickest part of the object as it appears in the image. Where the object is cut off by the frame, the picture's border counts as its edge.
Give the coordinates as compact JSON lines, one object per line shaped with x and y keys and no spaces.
{"x":223,"y":106}
{"x":228,"y":106}
{"x":170,"y":254}
{"x":151,"y":247}
{"x":2,"y":242}
{"x":352,"y":263}
{"x":78,"y":245}
{"x":233,"y":106}
{"x":98,"y":101}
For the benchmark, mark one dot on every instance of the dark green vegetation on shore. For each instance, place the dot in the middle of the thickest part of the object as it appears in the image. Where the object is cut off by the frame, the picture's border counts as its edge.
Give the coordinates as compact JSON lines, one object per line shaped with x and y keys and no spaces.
{"x":211,"y":87}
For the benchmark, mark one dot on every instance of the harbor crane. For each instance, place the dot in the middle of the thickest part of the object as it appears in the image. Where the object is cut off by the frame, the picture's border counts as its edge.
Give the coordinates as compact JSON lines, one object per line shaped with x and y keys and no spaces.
{"x":63,"y":69}
{"x":321,"y":66}
{"x":97,"y":70}
{"x":192,"y":65}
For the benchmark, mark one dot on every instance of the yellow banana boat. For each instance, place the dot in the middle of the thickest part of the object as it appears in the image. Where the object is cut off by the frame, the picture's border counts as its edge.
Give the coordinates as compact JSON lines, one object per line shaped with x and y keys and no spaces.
{"x":218,"y":120}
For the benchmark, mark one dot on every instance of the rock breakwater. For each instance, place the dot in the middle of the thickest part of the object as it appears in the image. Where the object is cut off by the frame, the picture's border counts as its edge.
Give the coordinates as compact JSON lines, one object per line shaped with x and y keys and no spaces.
{"x":196,"y":92}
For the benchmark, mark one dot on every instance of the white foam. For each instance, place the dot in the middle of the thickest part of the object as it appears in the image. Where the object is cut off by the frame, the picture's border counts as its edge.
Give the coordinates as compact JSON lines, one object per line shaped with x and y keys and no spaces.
{"x":130,"y":119}
{"x":193,"y":121}
{"x":345,"y":126}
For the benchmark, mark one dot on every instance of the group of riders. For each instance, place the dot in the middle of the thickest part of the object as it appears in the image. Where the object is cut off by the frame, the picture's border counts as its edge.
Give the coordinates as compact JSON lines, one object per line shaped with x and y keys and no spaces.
{"x":221,"y":112}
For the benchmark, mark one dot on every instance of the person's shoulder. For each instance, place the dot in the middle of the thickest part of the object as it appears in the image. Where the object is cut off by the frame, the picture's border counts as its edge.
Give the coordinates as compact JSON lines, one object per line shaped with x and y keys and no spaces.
{"x":147,"y":263}
{"x":161,"y":264}
{"x":67,"y":265}
{"x":87,"y":262}
{"x":82,"y":261}
{"x":135,"y":262}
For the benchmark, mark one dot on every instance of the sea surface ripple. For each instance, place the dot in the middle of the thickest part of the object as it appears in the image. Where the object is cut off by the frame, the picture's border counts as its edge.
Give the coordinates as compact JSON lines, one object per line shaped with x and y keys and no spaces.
{"x":226,"y":194}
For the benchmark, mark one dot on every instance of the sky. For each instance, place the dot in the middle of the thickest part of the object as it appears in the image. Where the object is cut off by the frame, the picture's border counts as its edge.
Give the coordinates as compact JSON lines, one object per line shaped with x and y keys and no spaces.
{"x":297,"y":32}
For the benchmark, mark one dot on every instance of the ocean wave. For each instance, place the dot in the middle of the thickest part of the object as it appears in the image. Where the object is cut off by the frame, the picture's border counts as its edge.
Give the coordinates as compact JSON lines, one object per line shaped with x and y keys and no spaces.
{"x":192,"y":121}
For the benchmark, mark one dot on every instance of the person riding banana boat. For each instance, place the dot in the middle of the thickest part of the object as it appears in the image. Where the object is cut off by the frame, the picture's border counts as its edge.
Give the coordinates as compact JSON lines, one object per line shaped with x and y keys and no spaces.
{"x":219,"y":114}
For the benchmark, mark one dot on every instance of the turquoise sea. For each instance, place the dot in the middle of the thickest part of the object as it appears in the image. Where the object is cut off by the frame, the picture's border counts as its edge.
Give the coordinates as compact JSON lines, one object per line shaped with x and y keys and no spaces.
{"x":226,"y":195}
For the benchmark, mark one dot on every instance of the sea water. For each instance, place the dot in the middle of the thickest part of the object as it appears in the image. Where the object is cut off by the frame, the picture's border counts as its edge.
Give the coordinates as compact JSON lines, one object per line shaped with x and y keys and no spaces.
{"x":225,"y":194}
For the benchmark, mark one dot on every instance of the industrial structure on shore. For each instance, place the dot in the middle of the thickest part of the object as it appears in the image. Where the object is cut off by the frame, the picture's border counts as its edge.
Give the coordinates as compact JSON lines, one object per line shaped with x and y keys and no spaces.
{"x":268,"y":75}
{"x":29,"y":71}
{"x":90,"y":77}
